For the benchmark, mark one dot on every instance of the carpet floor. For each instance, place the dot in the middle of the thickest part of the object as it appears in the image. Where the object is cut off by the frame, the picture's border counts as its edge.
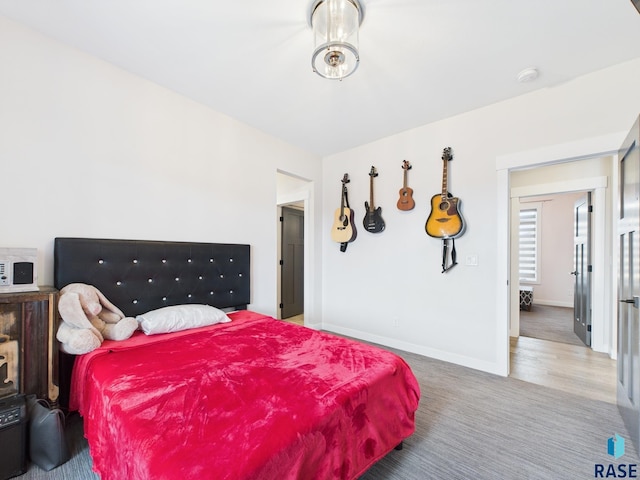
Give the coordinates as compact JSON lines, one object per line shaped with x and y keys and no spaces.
{"x":549,"y":323}
{"x":470,"y":425}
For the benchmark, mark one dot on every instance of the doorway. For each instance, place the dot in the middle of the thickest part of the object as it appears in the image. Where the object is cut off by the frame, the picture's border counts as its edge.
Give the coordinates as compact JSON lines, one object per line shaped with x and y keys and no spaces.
{"x":548,"y":231}
{"x":601,"y":178}
{"x":292,"y":262}
{"x":569,"y":366}
{"x":540,"y":182}
{"x":298,"y":193}
{"x":604,"y":305}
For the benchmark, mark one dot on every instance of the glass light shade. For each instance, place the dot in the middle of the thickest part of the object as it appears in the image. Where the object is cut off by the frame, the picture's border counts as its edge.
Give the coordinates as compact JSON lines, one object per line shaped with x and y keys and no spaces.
{"x":335,"y":26}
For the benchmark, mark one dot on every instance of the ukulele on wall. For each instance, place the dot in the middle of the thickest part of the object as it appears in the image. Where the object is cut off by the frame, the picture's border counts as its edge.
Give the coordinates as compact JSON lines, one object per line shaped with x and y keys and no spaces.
{"x":445,"y":220}
{"x":373,"y":221}
{"x":406,"y":202}
{"x":343,"y":230}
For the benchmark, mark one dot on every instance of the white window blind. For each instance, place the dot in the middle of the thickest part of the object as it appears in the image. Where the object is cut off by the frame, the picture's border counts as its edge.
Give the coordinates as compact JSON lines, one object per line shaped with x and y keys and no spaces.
{"x":529,"y":244}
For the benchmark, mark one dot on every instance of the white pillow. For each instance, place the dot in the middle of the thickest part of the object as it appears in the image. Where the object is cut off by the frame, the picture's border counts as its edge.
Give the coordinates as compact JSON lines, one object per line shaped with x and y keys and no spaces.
{"x":180,"y":317}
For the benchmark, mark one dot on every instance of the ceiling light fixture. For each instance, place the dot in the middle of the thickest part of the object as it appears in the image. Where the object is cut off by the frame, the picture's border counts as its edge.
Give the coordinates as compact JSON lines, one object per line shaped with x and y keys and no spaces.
{"x":335,"y":26}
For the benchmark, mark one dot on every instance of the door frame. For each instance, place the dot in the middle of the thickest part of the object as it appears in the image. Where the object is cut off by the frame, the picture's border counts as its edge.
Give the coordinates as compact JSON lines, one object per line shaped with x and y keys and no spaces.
{"x":305,"y":194}
{"x":602,"y":146}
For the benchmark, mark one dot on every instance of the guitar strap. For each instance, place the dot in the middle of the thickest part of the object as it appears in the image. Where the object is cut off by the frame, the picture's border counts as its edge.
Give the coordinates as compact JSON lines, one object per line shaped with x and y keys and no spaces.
{"x":343,"y":245}
{"x":445,"y":247}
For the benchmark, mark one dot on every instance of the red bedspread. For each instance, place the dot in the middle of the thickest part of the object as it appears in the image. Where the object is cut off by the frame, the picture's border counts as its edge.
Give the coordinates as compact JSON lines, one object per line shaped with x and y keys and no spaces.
{"x":256,"y":398}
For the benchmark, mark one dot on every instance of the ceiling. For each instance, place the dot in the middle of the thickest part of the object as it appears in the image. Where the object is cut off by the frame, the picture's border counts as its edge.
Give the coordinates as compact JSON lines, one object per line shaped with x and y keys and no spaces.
{"x":420,"y":60}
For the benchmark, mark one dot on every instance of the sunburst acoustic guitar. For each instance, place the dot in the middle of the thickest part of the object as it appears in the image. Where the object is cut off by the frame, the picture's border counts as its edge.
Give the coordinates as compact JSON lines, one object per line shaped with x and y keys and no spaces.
{"x":343,"y":229}
{"x":445,"y":220}
{"x":406,"y":202}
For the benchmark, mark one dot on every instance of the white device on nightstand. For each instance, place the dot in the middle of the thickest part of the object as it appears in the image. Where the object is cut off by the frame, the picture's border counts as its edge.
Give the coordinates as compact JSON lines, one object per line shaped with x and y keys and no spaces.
{"x":18,"y":270}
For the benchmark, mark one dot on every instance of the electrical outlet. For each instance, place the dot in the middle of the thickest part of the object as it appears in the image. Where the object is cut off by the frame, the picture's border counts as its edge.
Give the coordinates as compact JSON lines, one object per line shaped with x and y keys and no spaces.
{"x":472,"y":260}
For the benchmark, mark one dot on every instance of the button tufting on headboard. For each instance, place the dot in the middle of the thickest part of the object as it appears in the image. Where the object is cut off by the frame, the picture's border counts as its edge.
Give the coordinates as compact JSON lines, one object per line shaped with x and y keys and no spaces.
{"x":140,"y":275}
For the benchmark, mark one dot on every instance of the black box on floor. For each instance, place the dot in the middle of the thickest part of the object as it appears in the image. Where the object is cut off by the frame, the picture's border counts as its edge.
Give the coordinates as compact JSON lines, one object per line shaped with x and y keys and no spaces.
{"x":13,"y":436}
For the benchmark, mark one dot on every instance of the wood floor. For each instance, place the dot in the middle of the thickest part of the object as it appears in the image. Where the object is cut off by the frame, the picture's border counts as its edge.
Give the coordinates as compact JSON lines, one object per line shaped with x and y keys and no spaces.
{"x":570,"y":368}
{"x":299,"y":319}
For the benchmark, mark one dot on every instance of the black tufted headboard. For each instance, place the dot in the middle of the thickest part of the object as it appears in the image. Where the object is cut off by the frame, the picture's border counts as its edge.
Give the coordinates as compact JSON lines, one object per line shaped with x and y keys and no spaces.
{"x":140,"y":275}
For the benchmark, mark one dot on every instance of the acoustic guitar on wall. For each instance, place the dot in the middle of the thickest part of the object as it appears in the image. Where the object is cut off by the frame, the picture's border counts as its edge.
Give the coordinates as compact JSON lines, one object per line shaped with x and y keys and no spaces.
{"x":445,"y":220}
{"x":373,"y":221}
{"x":343,"y":229}
{"x":406,"y":202}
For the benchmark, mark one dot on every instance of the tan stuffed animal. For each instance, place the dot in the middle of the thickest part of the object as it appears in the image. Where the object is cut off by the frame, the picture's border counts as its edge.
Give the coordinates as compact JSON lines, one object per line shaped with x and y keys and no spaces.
{"x":89,"y":318}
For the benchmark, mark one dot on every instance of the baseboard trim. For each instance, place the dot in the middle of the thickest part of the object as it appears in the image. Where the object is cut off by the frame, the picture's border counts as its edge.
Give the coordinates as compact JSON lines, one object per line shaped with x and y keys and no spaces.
{"x":552,"y":303}
{"x":461,"y":360}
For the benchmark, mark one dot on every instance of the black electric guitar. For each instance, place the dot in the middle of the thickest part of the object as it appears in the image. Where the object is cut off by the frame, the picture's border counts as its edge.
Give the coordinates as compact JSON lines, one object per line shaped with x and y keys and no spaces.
{"x":445,"y":220}
{"x":343,"y":229}
{"x":406,"y":202}
{"x":373,"y":217}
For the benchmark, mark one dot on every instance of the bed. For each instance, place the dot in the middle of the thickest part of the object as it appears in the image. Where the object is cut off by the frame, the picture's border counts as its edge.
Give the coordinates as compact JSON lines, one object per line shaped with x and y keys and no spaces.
{"x":249,"y":398}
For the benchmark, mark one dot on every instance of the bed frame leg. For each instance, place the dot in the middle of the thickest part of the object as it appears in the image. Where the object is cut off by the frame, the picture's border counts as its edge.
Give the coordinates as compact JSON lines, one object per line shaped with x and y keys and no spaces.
{"x":399,"y":446}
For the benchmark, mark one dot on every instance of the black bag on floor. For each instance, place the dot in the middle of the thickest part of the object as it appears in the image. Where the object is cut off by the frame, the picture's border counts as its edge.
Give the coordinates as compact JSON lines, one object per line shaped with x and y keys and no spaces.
{"x":48,"y":447}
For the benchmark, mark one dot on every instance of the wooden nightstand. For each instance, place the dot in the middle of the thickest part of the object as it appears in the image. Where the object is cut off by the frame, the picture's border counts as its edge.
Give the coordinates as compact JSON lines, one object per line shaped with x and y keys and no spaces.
{"x":28,"y":323}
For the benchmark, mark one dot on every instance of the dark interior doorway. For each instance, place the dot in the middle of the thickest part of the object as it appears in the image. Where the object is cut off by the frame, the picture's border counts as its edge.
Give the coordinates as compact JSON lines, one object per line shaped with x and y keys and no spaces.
{"x":292,"y":262}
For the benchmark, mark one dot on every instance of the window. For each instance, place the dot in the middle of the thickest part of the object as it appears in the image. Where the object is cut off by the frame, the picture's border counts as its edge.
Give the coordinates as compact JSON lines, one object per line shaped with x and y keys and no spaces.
{"x":529,"y":243}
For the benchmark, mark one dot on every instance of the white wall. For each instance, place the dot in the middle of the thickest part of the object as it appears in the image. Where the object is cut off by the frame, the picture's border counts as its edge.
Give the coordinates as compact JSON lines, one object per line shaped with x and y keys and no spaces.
{"x":388,"y":287}
{"x":102,"y":153}
{"x":90,"y":150}
{"x":557,"y":249}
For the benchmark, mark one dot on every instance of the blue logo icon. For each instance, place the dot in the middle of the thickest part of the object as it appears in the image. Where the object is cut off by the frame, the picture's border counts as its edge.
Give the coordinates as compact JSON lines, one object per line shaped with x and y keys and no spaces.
{"x":615,"y":446}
